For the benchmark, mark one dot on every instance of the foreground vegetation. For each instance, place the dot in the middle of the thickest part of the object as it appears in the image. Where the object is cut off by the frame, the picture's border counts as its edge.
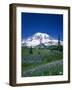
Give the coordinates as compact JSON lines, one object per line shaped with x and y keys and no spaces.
{"x":36,"y":57}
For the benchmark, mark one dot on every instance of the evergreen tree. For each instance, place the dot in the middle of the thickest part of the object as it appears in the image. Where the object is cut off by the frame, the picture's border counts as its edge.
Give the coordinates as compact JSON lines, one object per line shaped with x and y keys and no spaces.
{"x":58,"y":40}
{"x":31,"y":51}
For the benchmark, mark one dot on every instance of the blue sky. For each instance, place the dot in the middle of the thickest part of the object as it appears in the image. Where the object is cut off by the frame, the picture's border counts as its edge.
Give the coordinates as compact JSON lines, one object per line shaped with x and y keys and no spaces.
{"x":32,"y":23}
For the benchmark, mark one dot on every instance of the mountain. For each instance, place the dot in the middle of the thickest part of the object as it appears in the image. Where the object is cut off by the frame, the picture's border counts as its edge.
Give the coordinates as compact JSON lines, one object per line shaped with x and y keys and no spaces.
{"x":39,"y":39}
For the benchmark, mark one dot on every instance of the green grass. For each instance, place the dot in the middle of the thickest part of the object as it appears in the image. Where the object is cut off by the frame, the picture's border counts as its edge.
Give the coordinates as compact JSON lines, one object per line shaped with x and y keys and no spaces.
{"x":56,"y":70}
{"x":26,"y":66}
{"x":47,"y":55}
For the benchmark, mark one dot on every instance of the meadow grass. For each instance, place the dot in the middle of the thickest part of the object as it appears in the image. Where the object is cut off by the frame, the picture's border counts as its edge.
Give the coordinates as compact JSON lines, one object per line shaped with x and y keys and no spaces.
{"x":47,"y":56}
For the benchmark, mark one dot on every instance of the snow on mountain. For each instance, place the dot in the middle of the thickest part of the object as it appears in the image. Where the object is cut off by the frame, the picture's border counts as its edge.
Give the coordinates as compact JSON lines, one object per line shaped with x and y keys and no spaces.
{"x":39,"y":38}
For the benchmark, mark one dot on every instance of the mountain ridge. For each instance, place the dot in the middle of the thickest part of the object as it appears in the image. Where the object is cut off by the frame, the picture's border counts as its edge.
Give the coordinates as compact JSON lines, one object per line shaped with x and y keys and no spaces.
{"x":40,"y":38}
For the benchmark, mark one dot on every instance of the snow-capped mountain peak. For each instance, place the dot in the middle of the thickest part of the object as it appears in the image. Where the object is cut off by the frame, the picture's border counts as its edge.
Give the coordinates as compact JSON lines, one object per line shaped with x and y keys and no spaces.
{"x":39,"y":38}
{"x":40,"y":35}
